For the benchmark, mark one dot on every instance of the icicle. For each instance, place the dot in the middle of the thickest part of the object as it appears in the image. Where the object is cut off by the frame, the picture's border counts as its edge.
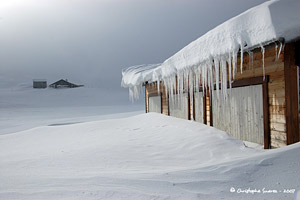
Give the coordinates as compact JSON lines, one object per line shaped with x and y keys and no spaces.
{"x":166,"y":88}
{"x":181,"y":83}
{"x":191,"y":82}
{"x":197,"y":77}
{"x":234,"y":63}
{"x":194,"y":81}
{"x":221,"y":77}
{"x":178,"y":83}
{"x":205,"y":67}
{"x":242,"y":54}
{"x":263,"y":59}
{"x":171,"y":88}
{"x":211,"y":78}
{"x":203,"y":78}
{"x":229,"y":71}
{"x":208,"y":87}
{"x":276,"y":49}
{"x":217,"y":68}
{"x":134,"y":92}
{"x":200,"y":77}
{"x":173,"y":83}
{"x":224,"y":77}
{"x":280,"y":49}
{"x":186,"y":78}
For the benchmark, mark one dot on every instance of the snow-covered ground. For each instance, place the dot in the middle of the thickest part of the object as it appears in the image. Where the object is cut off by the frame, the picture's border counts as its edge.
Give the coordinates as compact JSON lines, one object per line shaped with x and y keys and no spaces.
{"x":147,"y":156}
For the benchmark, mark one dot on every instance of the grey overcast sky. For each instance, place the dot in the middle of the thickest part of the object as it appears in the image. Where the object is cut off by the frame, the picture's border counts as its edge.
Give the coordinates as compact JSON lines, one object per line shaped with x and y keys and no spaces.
{"x":91,"y":41}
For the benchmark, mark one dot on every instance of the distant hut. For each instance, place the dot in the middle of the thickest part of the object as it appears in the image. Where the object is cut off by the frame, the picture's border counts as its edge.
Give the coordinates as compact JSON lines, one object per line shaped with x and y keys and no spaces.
{"x":64,"y":84}
{"x":39,"y":83}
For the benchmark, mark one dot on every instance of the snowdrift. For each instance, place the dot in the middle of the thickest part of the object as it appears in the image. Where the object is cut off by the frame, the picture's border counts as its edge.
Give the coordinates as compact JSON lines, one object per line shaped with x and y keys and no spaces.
{"x":148,"y":156}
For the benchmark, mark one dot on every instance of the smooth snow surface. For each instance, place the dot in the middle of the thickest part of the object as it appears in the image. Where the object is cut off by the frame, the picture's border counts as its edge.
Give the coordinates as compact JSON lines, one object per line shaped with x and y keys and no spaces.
{"x":209,"y":54}
{"x":147,"y":156}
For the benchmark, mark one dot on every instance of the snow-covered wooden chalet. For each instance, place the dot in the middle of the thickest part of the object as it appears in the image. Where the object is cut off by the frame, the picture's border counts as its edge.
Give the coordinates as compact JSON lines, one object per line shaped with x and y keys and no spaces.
{"x":241,"y":77}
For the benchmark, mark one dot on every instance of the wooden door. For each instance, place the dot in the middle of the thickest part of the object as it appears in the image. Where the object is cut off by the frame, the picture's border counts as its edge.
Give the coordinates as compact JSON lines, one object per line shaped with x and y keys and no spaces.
{"x":155,"y":103}
{"x":242,"y":114}
{"x":198,"y":100}
{"x":179,"y":106}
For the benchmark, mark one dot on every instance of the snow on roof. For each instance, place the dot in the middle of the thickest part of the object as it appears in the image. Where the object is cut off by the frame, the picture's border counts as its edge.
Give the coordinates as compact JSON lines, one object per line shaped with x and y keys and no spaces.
{"x":139,"y":74}
{"x":257,"y":26}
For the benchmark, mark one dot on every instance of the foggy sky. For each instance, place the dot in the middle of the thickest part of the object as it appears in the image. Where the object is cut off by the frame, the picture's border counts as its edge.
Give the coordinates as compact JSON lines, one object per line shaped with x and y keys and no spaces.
{"x":91,"y":41}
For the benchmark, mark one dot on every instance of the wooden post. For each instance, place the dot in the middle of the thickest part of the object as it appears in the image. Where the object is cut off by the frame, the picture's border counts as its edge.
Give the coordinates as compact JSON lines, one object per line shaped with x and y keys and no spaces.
{"x":168,"y":100}
{"x":146,"y":99}
{"x":189,"y":106}
{"x":267,"y":137}
{"x":194,"y":114}
{"x":161,"y":103}
{"x":291,"y":94}
{"x":211,"y":123}
{"x":204,"y":108}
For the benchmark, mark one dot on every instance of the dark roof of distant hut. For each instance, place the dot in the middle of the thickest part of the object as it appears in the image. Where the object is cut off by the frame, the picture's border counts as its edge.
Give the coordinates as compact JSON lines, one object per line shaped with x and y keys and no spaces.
{"x":64,"y":84}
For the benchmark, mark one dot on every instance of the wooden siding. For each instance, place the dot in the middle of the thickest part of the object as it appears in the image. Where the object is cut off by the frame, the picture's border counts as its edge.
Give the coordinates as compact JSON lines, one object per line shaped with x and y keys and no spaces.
{"x":242,"y":115}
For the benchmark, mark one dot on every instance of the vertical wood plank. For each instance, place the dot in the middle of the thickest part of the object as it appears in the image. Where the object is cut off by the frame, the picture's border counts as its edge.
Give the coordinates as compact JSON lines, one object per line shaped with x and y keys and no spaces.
{"x":291,"y":94}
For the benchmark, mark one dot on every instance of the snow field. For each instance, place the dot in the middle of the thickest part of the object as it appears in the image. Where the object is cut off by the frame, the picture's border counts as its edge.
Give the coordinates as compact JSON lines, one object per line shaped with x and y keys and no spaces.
{"x":147,"y":156}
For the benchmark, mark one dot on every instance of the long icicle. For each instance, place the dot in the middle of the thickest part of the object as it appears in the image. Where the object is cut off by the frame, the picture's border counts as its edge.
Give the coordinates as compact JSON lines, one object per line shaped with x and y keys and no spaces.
{"x":217,"y":69}
{"x":242,"y":55}
{"x":263,"y":59}
{"x":229,"y":71}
